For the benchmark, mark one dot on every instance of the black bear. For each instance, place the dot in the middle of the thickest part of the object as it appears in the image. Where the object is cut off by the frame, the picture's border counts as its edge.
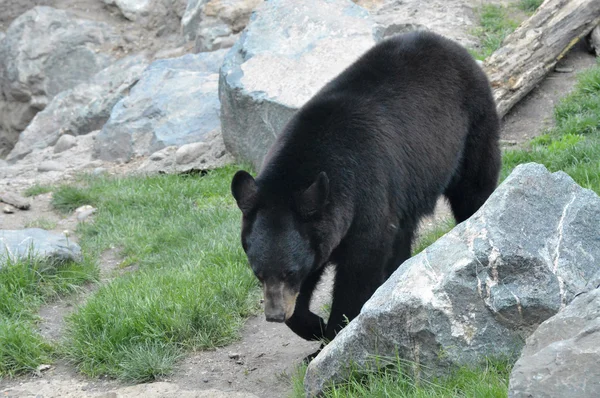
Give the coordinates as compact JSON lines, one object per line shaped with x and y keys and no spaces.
{"x":352,"y":173}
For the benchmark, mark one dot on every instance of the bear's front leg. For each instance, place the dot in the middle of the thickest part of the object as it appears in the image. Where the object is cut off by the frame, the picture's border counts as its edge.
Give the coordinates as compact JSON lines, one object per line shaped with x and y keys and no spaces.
{"x":303,"y":321}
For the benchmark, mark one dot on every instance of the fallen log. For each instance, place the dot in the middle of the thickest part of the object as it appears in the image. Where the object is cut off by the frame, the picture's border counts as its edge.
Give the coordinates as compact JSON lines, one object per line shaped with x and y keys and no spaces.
{"x":534,"y":48}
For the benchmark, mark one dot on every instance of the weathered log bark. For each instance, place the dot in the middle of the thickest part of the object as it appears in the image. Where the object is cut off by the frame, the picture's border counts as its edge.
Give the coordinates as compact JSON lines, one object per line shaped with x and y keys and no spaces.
{"x":532,"y":50}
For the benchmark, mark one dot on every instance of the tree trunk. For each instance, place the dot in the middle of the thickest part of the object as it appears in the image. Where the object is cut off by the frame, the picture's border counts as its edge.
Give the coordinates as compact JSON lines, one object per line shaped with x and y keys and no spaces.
{"x":531,"y":51}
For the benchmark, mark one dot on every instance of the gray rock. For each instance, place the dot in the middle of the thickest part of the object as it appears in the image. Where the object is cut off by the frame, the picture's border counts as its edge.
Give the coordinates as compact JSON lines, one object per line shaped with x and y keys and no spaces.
{"x":46,"y":51}
{"x":279,"y":63}
{"x":484,"y":287}
{"x":65,"y":142}
{"x":190,"y":152}
{"x":206,"y":155}
{"x":47,"y":246}
{"x":2,"y":36}
{"x":50,"y":165}
{"x":561,"y":358}
{"x":215,"y":24}
{"x":174,"y":103}
{"x":454,"y":19}
{"x":82,"y":109}
{"x":152,"y":14}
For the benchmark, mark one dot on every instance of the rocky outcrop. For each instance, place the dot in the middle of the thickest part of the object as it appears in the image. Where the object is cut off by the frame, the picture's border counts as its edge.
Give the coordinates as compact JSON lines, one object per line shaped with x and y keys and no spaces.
{"x":160,"y":15}
{"x":279,"y":63}
{"x":454,"y":19}
{"x":215,"y":24}
{"x":174,"y":103}
{"x":46,"y":51}
{"x":82,"y":109}
{"x":484,"y":287}
{"x":561,"y":358}
{"x":37,"y":243}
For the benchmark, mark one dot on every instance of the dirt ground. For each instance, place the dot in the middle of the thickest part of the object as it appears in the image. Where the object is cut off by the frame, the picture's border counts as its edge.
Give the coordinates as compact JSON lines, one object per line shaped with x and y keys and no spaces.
{"x":261,"y":362}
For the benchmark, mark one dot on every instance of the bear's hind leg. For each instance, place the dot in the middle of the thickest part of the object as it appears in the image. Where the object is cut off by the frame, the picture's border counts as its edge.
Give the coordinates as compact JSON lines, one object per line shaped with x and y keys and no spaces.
{"x":477,"y":176}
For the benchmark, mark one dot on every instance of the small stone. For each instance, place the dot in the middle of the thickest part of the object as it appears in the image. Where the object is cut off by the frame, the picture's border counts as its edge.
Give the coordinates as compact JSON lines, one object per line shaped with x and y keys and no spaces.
{"x":190,"y":152}
{"x":50,"y":166}
{"x":156,"y":156}
{"x":15,"y":200}
{"x":8,"y":209}
{"x":98,"y":171}
{"x":234,"y":356}
{"x":84,"y":212}
{"x":239,"y":362}
{"x":65,"y":142}
{"x":205,"y":380}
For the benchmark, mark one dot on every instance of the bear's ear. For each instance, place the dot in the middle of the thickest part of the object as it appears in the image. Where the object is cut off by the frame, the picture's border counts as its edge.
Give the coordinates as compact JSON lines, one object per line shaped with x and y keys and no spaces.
{"x":244,"y":190}
{"x":312,"y":201}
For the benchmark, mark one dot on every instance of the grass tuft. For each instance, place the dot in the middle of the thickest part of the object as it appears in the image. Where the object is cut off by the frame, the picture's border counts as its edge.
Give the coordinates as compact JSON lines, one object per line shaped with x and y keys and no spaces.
{"x":573,"y":145}
{"x":489,"y":379}
{"x":434,"y":234}
{"x":24,"y":286}
{"x":148,"y":362}
{"x":192,"y":288}
{"x":37,"y":190}
{"x":529,"y":5}
{"x":495,"y":25}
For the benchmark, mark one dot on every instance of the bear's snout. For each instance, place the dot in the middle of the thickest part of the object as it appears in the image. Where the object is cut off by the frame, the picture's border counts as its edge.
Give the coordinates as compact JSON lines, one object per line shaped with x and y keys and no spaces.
{"x":280,"y":301}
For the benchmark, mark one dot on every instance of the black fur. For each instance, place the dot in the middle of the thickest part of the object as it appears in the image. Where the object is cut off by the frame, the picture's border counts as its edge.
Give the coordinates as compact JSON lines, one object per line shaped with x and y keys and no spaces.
{"x":412,"y":119}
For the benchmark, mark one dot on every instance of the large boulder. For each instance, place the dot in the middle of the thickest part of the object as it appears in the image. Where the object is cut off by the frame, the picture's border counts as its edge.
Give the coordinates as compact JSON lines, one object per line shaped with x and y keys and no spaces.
{"x":46,"y":51}
{"x":288,"y":51}
{"x":82,"y":109}
{"x":484,"y":287}
{"x":38,"y":243}
{"x":215,"y":24}
{"x":562,"y":357}
{"x":454,"y":19}
{"x":174,"y":103}
{"x":162,"y":15}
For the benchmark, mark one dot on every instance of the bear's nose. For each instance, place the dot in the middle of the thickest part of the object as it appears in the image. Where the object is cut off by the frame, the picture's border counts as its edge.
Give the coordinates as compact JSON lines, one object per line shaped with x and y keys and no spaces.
{"x":275,"y":317}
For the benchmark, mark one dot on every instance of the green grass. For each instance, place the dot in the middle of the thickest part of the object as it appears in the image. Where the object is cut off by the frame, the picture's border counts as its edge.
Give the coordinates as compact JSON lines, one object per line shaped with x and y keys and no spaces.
{"x":529,"y":5}
{"x":494,"y":25}
{"x":573,"y":145}
{"x":24,"y":286}
{"x":489,"y":380}
{"x":432,"y":235}
{"x":37,"y":190}
{"x":192,"y":288}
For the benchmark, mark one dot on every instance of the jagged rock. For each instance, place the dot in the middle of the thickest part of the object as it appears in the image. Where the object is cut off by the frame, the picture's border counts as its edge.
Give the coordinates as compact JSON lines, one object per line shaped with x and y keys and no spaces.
{"x":65,"y":142}
{"x":484,"y":287}
{"x":215,"y":24}
{"x":80,"y":110}
{"x":36,"y":242}
{"x":279,"y":63}
{"x":46,"y":51}
{"x":561,"y":356}
{"x":175,"y":102}
{"x":152,"y":14}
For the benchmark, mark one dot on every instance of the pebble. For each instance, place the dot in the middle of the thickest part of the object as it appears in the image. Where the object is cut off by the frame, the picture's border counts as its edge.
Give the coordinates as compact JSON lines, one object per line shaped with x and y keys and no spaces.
{"x":8,"y":209}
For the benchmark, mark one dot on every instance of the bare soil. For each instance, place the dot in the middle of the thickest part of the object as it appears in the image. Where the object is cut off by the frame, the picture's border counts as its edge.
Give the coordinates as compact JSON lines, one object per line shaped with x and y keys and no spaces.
{"x":261,"y":362}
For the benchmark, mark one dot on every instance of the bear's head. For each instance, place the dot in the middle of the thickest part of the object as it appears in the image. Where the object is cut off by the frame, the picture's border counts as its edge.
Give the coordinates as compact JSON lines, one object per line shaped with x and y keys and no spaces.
{"x":282,"y":235}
